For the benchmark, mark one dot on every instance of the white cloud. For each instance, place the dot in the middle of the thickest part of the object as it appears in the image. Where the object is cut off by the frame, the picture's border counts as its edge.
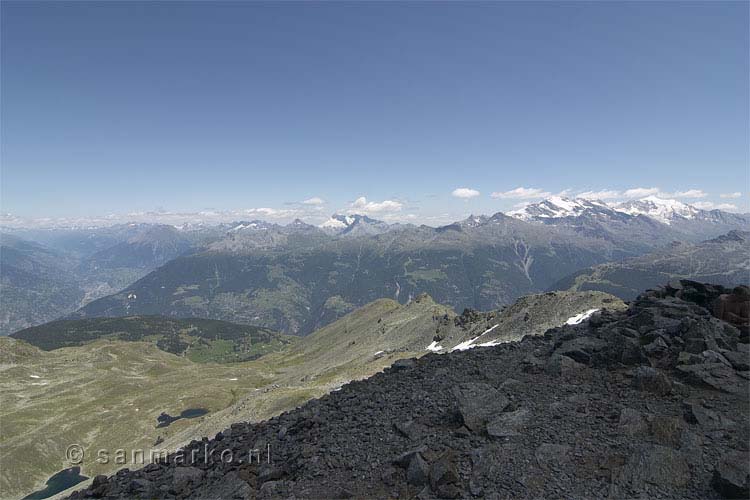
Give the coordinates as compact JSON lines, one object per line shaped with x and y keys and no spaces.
{"x":521,"y":193}
{"x":207,"y":216}
{"x":641,"y":192}
{"x":730,"y":195}
{"x":361,"y":205}
{"x":273,"y":213}
{"x":691,"y":193}
{"x":604,"y":194}
{"x":708,"y":205}
{"x":465,"y":193}
{"x":314,"y":201}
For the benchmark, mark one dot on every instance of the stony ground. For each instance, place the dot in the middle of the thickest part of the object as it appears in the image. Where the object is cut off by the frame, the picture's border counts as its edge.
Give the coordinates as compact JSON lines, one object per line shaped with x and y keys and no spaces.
{"x":109,"y":393}
{"x":647,"y":403}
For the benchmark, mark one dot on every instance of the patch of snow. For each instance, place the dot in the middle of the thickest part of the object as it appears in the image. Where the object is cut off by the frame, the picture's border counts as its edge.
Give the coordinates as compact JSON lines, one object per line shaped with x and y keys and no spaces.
{"x":241,"y":226}
{"x":35,"y":376}
{"x":519,"y":214}
{"x":554,"y":207}
{"x":333,"y":223}
{"x":491,"y":343}
{"x":379,"y":353}
{"x":475,"y":220}
{"x":580,"y":318}
{"x":463,"y":346}
{"x":233,"y":379}
{"x":434,"y":347}
{"x":469,"y":344}
{"x":489,"y":330}
{"x":566,"y":204}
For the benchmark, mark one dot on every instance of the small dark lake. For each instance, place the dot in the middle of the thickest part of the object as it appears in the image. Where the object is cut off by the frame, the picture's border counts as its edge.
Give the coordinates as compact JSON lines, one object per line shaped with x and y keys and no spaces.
{"x":58,"y":482}
{"x":165,"y":419}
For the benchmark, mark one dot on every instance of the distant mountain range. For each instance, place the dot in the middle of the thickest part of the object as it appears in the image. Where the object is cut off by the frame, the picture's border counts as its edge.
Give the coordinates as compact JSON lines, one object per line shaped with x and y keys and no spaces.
{"x":297,"y":277}
{"x":641,"y":218}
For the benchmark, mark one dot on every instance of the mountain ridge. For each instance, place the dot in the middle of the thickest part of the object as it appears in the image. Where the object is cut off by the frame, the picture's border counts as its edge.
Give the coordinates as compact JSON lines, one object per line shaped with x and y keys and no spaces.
{"x":132,"y":380}
{"x":506,"y":420}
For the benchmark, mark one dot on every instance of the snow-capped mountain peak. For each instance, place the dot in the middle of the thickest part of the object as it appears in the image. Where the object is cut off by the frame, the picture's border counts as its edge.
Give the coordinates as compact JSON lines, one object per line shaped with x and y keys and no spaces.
{"x":661,"y":209}
{"x":474,"y":221}
{"x":353,"y":223}
{"x":244,"y":225}
{"x":556,"y":207}
{"x":334,"y":223}
{"x":342,"y":221}
{"x":255,"y":225}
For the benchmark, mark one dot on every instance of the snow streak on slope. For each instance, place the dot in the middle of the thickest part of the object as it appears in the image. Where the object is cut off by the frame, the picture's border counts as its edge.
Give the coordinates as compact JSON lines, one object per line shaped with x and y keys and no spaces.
{"x":469,"y":344}
{"x":434,"y":347}
{"x":580,"y":318}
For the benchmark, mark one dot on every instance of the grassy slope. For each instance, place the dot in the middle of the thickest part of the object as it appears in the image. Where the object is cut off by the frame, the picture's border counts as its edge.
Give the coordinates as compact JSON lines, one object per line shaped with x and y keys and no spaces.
{"x":93,"y":391}
{"x":107,"y":394}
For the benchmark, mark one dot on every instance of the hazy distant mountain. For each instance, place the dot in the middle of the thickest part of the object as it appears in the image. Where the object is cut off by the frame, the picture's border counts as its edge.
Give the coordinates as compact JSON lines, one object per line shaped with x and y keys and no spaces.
{"x":59,"y":270}
{"x":37,"y":284}
{"x":723,"y":260}
{"x":257,"y":235}
{"x":144,"y":249}
{"x":149,"y":247}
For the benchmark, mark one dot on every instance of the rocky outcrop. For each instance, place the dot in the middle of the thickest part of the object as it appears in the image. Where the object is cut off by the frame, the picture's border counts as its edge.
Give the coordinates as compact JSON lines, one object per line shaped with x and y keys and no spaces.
{"x":649,"y":402}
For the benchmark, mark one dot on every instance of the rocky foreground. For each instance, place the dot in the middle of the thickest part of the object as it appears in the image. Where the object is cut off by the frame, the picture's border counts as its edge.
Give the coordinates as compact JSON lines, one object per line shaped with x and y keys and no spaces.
{"x":649,"y":402}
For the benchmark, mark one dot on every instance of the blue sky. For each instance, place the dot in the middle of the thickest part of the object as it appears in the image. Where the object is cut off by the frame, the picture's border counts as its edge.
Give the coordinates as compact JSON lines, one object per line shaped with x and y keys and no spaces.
{"x":131,"y":107}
